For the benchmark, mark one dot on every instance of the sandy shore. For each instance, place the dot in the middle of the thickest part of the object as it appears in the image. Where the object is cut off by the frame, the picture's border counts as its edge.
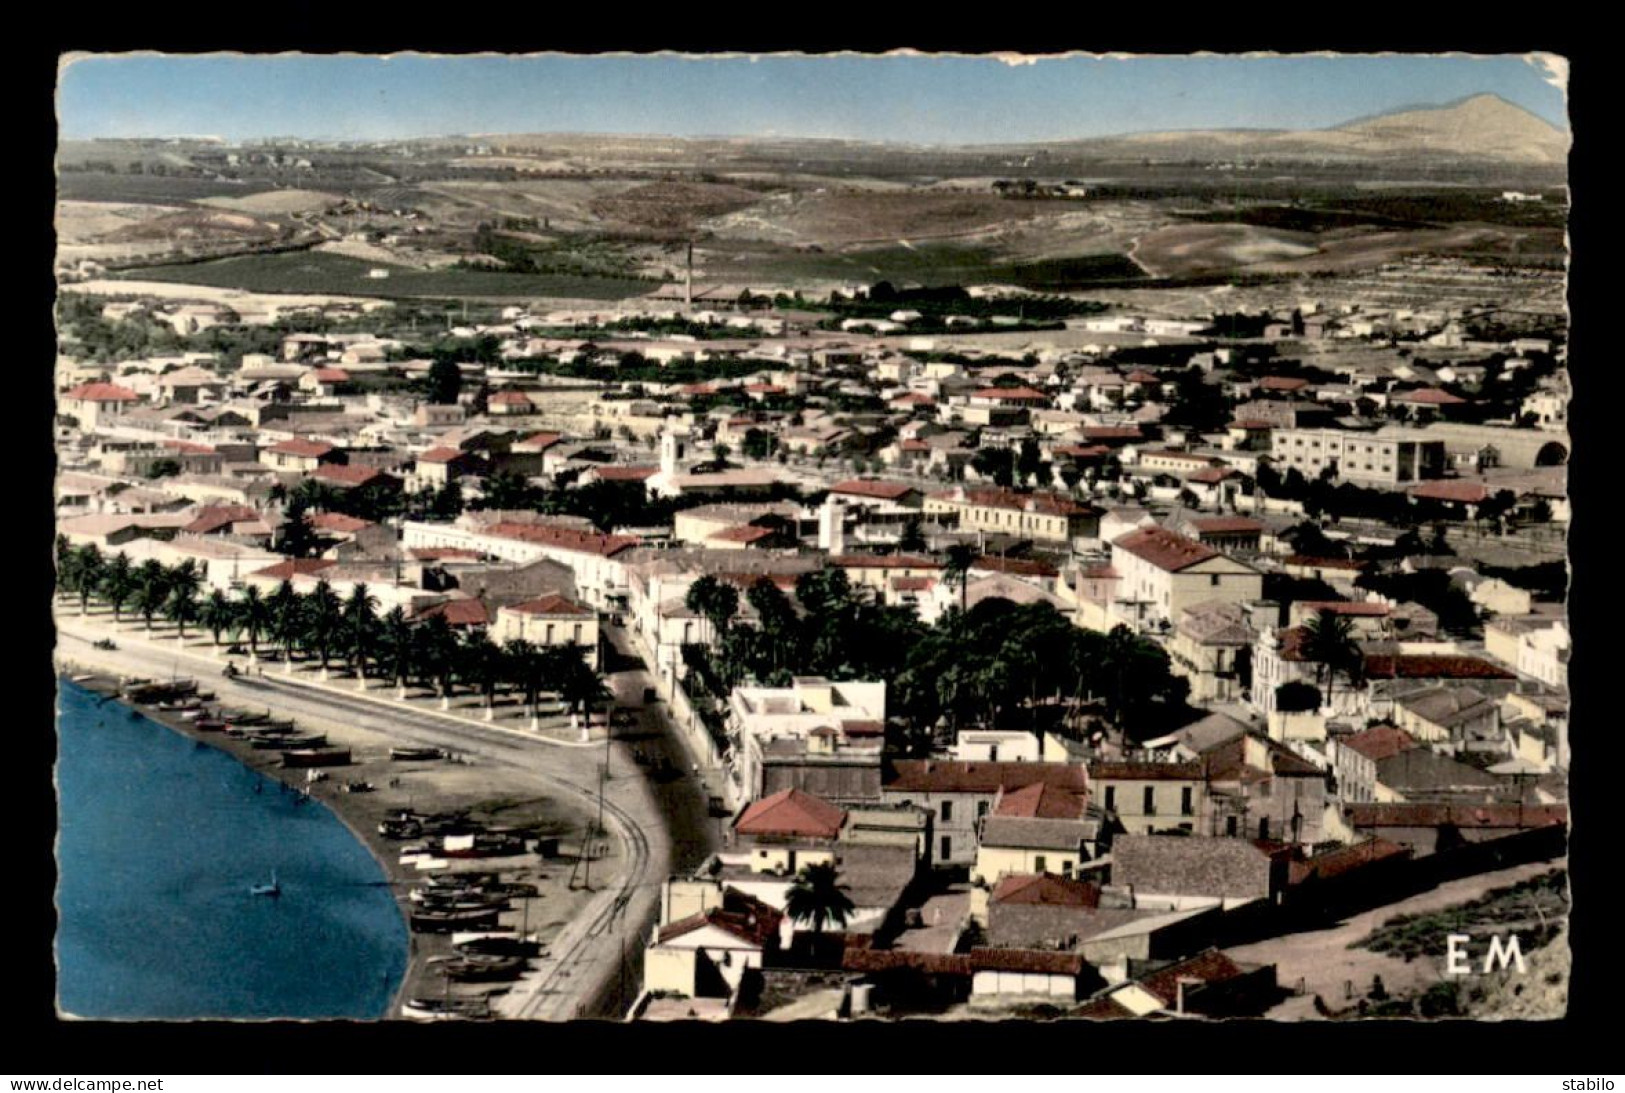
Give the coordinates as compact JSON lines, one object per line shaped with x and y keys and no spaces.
{"x":490,"y":792}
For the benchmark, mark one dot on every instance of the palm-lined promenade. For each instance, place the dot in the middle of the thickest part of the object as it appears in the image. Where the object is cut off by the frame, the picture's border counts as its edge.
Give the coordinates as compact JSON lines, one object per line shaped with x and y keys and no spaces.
{"x":467,"y":698}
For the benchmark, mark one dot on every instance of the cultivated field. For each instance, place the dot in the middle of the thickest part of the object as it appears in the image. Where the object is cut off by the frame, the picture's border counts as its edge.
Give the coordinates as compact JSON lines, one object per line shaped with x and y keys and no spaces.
{"x":310,"y":272}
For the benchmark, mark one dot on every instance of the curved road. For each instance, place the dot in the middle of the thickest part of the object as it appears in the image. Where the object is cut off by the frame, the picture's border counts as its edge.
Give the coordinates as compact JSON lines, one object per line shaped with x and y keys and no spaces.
{"x":585,"y":968}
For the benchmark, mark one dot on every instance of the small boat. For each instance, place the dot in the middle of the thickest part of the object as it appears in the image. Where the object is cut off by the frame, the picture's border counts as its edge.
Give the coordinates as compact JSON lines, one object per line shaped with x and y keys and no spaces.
{"x":444,"y":922}
{"x":400,"y":829}
{"x":210,"y":724}
{"x":498,"y":945}
{"x":477,"y":970}
{"x":359,"y":787}
{"x":415,"y":754}
{"x":316,"y":757}
{"x":445,"y":1009}
{"x":274,"y":889}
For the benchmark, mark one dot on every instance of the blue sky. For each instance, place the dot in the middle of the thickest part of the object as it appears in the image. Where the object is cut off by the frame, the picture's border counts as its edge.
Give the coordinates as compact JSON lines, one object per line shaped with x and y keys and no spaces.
{"x":919,"y":99}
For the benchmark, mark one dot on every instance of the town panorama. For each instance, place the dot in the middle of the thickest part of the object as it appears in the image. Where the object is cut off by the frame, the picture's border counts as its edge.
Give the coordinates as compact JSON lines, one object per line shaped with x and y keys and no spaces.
{"x":783,"y":578}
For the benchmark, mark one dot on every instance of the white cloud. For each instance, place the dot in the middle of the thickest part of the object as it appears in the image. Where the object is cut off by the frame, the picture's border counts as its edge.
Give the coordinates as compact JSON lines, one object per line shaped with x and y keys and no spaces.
{"x":1556,"y":68}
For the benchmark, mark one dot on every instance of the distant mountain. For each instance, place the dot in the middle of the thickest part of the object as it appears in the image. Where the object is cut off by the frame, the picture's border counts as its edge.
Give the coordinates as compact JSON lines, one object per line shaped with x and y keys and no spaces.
{"x":1483,"y":127}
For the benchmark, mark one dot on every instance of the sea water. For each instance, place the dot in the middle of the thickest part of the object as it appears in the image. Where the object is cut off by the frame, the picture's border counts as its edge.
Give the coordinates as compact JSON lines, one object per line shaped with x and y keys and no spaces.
{"x":160,"y":841}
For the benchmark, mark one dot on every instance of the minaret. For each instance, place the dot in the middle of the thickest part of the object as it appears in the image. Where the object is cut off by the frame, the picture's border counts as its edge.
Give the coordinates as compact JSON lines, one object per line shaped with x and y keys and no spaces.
{"x":832,"y":527}
{"x":670,"y":453}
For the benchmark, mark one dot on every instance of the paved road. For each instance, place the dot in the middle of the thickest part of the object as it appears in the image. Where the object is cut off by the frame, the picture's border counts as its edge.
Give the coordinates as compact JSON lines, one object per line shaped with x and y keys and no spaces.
{"x":584,"y":973}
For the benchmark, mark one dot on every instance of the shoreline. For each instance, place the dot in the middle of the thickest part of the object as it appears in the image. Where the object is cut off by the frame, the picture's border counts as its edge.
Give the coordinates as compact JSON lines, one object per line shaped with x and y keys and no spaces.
{"x":433,"y":786}
{"x":108,"y":688}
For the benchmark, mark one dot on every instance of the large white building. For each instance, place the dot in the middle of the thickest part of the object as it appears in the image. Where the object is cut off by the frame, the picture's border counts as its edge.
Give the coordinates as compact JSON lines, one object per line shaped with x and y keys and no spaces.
{"x":1160,"y":573}
{"x":1387,"y":457}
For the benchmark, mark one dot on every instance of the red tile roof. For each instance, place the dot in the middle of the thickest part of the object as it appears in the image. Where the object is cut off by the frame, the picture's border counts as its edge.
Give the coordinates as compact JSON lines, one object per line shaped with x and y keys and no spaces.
{"x":1225,"y":525}
{"x":1346,"y":859}
{"x":1153,"y":772}
{"x":612,"y":473}
{"x":744,"y":533}
{"x":1167,"y":550}
{"x":869,"y":487}
{"x":1430,"y":396}
{"x":332,"y":375}
{"x":913,"y":398}
{"x":1011,"y":394}
{"x":102,"y":392}
{"x":440,"y":455}
{"x":214,"y":517}
{"x":1282,"y":383}
{"x":1082,"y":451}
{"x":586,"y":542}
{"x":1348,"y":607}
{"x":938,"y":776}
{"x":997,"y":497}
{"x":509,"y":398}
{"x":551,"y":604}
{"x":1140,"y":375}
{"x":540,"y":441}
{"x":1426,"y":814}
{"x":303,"y":446}
{"x":1381,"y":742}
{"x":1431,"y":666}
{"x":1045,"y":890}
{"x":345,"y":475}
{"x":792,"y":812}
{"x":296,"y":567}
{"x":469,"y":612}
{"x":1032,"y":961}
{"x":746,"y":918}
{"x":1465,"y":493}
{"x":885,"y":960}
{"x":912,"y":584}
{"x":1040,"y":802}
{"x":1209,"y":967}
{"x":1112,"y":432}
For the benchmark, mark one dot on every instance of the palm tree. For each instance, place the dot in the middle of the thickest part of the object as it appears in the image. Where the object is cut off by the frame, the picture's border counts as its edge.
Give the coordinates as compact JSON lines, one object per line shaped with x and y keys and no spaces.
{"x":816,"y":897}
{"x":480,"y":666}
{"x":218,"y":613}
{"x":286,"y":610}
{"x":181,"y":607}
{"x":323,"y":621}
{"x":579,"y":686}
{"x":119,"y":584}
{"x":961,"y":556}
{"x":398,"y":648}
{"x":152,"y":589}
{"x":522,"y":666}
{"x":1328,"y":641}
{"x":435,"y":655}
{"x":254,"y":616}
{"x":361,"y":626}
{"x":64,"y":562}
{"x":84,"y":571}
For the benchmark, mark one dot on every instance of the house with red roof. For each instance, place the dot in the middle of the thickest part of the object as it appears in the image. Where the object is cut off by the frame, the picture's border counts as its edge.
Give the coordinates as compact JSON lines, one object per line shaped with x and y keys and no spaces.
{"x":1161,"y":573}
{"x":509,"y":404}
{"x":1039,"y":515}
{"x":301,"y":454}
{"x":462,"y":613}
{"x":707,"y":954}
{"x":960,"y":794}
{"x":1432,"y":828}
{"x":90,"y":404}
{"x":1209,"y":984}
{"x":550,"y":620}
{"x":440,"y":465}
{"x":236,"y":521}
{"x":874,"y":493}
{"x":357,"y":478}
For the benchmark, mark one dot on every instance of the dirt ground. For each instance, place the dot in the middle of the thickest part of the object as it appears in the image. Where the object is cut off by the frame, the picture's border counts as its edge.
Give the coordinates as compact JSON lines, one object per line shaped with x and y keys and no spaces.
{"x":1325,"y":964}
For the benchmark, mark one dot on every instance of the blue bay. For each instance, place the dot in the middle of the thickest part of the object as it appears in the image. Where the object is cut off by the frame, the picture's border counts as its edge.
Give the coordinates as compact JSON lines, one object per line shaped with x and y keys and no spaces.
{"x":160,"y":841}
